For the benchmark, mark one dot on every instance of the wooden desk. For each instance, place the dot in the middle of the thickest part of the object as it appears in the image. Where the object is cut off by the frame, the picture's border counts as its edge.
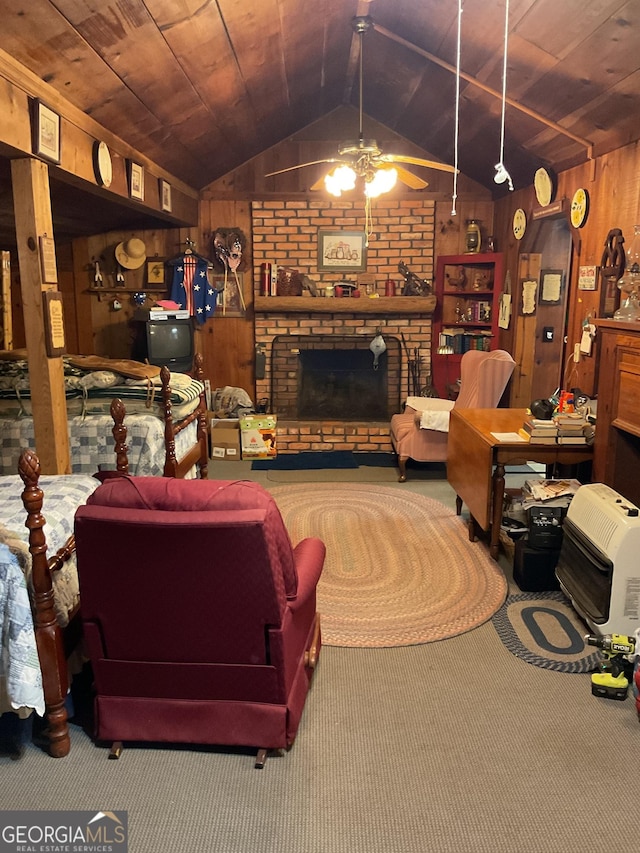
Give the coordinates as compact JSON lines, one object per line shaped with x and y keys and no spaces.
{"x":476,"y":460}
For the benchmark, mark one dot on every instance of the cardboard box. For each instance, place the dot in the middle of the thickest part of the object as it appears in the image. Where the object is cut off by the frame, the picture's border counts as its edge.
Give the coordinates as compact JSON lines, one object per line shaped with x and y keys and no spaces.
{"x":258,"y":436}
{"x":225,"y":439}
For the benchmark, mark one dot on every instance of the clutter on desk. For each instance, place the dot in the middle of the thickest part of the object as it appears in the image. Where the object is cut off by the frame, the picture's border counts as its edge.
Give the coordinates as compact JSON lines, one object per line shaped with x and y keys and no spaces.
{"x":549,"y":492}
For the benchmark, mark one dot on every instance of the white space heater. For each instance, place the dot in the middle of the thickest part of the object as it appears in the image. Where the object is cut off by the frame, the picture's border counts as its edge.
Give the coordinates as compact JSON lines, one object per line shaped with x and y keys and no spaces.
{"x":599,"y":564}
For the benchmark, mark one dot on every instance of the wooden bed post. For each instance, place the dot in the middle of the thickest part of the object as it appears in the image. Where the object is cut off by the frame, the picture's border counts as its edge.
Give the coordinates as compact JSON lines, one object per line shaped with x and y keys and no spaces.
{"x":203,"y":432}
{"x":170,"y":461}
{"x":48,"y":633}
{"x":119,"y":433}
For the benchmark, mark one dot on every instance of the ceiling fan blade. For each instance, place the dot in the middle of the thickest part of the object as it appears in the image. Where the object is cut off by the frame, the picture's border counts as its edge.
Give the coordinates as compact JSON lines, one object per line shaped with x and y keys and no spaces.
{"x":302,"y":165}
{"x":411,"y":180}
{"x":416,"y":161}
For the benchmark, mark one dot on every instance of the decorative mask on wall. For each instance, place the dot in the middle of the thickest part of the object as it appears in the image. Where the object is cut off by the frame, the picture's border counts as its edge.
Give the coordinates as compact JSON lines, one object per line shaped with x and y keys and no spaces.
{"x":228,"y":246}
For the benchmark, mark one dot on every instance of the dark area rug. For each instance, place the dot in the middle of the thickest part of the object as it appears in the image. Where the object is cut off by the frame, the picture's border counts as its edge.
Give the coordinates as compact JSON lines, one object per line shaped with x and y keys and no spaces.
{"x":306,"y":460}
{"x":543,"y":629}
{"x":310,"y":460}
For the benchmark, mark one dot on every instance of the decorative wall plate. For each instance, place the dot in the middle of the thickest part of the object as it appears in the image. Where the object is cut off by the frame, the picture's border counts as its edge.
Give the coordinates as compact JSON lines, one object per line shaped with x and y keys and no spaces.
{"x":544,"y":185}
{"x":519,"y":223}
{"x":579,"y":208}
{"x":102,"y":164}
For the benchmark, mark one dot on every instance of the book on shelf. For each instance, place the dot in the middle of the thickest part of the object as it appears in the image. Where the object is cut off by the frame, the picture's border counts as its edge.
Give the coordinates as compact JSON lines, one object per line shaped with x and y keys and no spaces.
{"x":461,"y":340}
{"x":537,"y":439}
{"x":572,"y":439}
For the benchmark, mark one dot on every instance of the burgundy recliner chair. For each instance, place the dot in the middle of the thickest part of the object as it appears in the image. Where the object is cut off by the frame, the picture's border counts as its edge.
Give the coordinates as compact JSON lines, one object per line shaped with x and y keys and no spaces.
{"x":198,"y":614}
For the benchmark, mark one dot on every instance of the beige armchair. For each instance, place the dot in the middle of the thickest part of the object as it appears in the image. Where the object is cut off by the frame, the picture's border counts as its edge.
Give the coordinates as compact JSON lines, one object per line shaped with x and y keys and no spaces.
{"x":421,"y":431}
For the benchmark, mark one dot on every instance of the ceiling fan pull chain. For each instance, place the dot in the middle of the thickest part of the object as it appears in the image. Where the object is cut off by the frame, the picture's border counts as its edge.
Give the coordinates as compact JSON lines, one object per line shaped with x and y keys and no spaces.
{"x":456,"y":133}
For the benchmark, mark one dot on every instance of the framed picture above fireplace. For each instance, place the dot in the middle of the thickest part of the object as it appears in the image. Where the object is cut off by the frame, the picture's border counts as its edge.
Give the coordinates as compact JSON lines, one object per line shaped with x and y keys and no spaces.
{"x":342,"y":251}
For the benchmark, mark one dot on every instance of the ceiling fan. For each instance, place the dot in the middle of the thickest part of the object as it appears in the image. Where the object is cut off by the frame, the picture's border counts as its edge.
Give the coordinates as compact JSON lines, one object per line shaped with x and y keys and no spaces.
{"x":363,"y":158}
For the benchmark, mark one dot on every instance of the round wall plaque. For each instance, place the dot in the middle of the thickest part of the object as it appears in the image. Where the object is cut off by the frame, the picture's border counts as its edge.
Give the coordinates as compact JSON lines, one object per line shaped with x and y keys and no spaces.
{"x":579,"y":207}
{"x":102,"y":164}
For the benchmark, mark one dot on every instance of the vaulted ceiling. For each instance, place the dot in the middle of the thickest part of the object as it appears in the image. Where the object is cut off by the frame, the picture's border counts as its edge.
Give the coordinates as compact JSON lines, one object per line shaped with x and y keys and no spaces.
{"x":202,"y":86}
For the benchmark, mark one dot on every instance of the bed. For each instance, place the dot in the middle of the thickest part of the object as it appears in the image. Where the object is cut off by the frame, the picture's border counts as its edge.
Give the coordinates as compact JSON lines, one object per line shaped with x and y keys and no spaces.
{"x":34,"y":648}
{"x":39,"y":594}
{"x":166,"y":415}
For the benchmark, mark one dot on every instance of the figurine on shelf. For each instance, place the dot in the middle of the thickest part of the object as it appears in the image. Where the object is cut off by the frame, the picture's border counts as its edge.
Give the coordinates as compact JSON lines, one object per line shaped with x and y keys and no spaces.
{"x":482,"y":280}
{"x":457,"y":282}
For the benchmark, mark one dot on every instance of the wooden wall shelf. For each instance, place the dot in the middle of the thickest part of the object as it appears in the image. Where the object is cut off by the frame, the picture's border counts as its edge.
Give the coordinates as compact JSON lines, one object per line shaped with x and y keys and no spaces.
{"x":344,"y":305}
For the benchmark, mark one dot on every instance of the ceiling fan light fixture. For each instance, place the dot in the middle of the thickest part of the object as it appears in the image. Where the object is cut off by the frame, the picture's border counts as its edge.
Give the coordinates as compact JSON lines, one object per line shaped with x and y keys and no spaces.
{"x":382,"y":180}
{"x":340,"y":180}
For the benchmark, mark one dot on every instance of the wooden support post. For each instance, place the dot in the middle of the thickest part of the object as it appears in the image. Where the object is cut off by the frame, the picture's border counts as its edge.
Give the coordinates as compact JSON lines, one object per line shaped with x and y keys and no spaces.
{"x":5,"y":301}
{"x":32,"y":204}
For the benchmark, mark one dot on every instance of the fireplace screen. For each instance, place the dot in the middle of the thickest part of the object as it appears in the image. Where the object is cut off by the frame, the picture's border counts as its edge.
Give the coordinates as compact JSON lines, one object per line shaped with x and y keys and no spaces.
{"x":333,"y":376}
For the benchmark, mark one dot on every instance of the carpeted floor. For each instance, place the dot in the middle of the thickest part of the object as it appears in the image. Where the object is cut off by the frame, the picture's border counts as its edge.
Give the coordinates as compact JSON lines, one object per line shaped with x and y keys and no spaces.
{"x":400,"y":569}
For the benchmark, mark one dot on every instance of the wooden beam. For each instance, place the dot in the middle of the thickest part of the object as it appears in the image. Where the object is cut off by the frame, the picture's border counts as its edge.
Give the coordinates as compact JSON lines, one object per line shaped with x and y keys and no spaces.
{"x":32,"y":205}
{"x":587,"y":143}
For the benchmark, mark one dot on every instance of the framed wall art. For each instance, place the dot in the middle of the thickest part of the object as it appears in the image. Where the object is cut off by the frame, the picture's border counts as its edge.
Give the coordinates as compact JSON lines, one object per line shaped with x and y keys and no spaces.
{"x":229,"y":295}
{"x":155,"y":272}
{"x":46,"y":132}
{"x":136,"y":180}
{"x":588,"y":277}
{"x":165,"y":195}
{"x":53,"y":323}
{"x":551,"y":287}
{"x":342,"y":251}
{"x":529,"y":296}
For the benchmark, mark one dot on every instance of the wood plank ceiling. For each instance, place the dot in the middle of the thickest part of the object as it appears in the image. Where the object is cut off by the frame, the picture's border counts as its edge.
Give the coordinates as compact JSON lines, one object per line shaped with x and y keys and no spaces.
{"x":202,"y":86}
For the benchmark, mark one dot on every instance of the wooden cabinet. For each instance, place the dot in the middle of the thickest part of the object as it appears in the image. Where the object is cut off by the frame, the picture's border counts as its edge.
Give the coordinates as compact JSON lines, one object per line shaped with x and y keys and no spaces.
{"x":616,"y":452}
{"x":466,"y":317}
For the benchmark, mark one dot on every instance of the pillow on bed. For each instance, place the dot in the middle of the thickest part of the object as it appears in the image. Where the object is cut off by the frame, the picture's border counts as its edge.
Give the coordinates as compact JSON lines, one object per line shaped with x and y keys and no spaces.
{"x":95,"y":379}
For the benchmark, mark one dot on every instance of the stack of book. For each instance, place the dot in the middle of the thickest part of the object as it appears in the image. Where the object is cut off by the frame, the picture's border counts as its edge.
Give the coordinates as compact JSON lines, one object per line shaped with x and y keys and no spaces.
{"x":570,"y":428}
{"x":538,"y":431}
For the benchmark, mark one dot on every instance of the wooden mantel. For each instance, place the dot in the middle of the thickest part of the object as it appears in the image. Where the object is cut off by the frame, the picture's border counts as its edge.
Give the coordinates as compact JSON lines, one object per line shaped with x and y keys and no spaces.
{"x":344,"y":305}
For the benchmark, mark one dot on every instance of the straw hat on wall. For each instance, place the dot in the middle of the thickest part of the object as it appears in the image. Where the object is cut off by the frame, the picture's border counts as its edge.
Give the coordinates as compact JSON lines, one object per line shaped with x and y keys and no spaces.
{"x":131,"y":254}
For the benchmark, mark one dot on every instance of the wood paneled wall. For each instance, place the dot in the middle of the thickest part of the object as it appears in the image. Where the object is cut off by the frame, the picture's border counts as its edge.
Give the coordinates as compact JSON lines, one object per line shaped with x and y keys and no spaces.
{"x":613,"y":184}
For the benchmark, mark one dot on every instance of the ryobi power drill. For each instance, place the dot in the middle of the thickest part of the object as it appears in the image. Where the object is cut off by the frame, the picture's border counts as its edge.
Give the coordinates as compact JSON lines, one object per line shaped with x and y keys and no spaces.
{"x":612,"y":682}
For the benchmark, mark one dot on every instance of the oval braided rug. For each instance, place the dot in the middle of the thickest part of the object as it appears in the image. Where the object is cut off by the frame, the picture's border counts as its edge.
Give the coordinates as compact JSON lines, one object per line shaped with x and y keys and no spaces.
{"x":400,"y":569}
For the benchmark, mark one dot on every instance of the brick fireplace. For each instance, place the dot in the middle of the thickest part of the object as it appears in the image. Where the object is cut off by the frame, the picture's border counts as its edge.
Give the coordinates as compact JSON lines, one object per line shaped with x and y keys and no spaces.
{"x":286,"y":233}
{"x":332,"y":433}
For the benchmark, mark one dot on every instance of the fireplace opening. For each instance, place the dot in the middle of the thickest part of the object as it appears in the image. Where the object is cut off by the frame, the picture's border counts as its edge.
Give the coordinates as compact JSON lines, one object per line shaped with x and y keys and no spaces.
{"x":342,"y":384}
{"x":314,"y":377}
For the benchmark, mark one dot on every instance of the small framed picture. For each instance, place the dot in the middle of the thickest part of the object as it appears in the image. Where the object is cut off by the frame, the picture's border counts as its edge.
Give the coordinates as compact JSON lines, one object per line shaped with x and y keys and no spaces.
{"x":165,"y":195}
{"x":529,"y":299}
{"x":551,"y":287}
{"x":588,"y":277}
{"x":53,"y":323}
{"x":136,"y":180}
{"x":340,"y":251}
{"x":46,"y":132}
{"x":155,"y":272}
{"x":229,"y":295}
